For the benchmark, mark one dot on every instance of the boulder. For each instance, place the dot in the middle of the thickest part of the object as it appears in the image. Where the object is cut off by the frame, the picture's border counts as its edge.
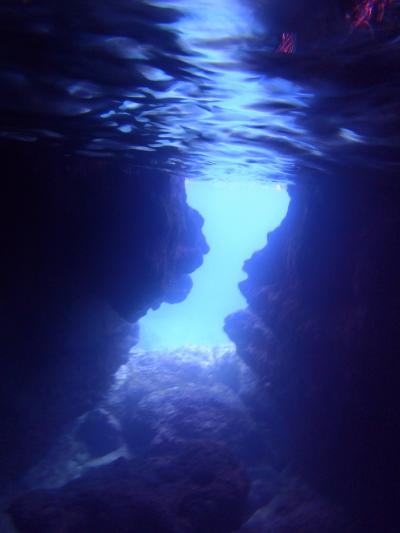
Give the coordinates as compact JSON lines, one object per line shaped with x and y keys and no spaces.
{"x":99,"y":432}
{"x":189,"y":412}
{"x":296,"y":509}
{"x":196,"y":488}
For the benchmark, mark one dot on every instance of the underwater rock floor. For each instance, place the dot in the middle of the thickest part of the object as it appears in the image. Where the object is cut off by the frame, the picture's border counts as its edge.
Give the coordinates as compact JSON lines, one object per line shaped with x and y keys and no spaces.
{"x":175,"y":447}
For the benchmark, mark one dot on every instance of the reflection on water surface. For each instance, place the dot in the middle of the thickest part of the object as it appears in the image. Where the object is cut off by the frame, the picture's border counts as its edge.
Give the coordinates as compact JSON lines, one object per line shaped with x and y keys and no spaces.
{"x":192,"y":85}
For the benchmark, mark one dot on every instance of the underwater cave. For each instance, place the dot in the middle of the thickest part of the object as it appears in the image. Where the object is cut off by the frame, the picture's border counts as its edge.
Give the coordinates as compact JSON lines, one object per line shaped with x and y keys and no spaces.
{"x":201,"y":266}
{"x":237,"y":217}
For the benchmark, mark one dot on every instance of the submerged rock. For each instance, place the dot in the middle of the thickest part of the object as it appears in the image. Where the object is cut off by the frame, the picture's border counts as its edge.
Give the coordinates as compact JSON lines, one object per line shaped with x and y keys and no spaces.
{"x":199,"y":488}
{"x":179,"y":414}
{"x":295,"y":511}
{"x":265,"y":484}
{"x":160,"y":400}
{"x":322,"y":334}
{"x":89,"y":247}
{"x":150,"y":371}
{"x":99,"y":432}
{"x":167,"y":397}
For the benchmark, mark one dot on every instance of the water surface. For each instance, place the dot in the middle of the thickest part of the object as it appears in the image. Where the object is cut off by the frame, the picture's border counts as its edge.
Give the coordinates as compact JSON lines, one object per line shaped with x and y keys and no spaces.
{"x":191,"y":85}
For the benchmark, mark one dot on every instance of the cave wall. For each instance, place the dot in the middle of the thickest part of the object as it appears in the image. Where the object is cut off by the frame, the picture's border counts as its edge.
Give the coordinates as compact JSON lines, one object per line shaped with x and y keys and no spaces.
{"x":88,"y":247}
{"x":322,"y":332}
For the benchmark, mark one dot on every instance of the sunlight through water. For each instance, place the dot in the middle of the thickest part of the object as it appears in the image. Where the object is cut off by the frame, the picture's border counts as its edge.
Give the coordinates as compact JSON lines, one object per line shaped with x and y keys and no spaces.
{"x":182,"y":97}
{"x":230,"y":117}
{"x":237,"y":219}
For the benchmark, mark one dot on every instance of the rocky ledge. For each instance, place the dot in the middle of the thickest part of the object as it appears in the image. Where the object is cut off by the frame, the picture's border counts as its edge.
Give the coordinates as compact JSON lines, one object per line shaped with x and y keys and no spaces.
{"x":177,"y":446}
{"x":88,"y":247}
{"x":322,"y":333}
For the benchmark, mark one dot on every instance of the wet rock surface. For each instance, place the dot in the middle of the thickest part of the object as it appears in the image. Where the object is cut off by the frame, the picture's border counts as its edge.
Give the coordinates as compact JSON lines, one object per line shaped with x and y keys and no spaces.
{"x":200,"y":487}
{"x":188,"y":446}
{"x":89,"y":247}
{"x":162,"y":399}
{"x":321,"y":332}
{"x":99,"y":432}
{"x":296,"y":510}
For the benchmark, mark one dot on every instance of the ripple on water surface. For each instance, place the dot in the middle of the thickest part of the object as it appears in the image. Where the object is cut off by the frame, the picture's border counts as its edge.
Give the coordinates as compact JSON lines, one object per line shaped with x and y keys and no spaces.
{"x":197,"y":85}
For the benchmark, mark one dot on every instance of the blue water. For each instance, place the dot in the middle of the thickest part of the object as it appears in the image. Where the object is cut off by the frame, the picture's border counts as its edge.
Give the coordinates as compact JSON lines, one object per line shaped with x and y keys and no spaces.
{"x":237,"y":219}
{"x":187,"y":85}
{"x":197,"y":89}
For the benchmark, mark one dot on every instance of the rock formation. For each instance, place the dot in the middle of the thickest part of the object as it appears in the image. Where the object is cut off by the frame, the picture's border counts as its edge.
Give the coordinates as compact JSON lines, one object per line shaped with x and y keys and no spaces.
{"x":177,"y":438}
{"x":87,"y":246}
{"x":198,"y":487}
{"x":322,"y":332}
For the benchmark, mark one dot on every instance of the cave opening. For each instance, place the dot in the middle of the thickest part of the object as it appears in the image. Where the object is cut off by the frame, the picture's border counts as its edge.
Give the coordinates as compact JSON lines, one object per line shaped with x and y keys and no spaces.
{"x":124,"y":414}
{"x":237,"y":217}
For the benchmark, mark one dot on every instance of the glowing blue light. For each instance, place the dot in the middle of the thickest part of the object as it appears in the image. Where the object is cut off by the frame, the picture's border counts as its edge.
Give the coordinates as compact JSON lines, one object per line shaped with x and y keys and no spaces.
{"x":238,"y":217}
{"x":126,"y":128}
{"x":236,"y":117}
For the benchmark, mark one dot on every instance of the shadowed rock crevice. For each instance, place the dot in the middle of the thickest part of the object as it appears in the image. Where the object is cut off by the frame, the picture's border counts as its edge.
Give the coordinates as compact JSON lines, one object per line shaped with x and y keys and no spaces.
{"x":321,"y":331}
{"x":88,"y":246}
{"x":177,"y":435}
{"x":198,"y":487}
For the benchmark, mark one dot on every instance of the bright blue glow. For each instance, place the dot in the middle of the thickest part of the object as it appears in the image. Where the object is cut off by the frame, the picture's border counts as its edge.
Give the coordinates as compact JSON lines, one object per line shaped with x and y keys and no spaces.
{"x":231,"y":118}
{"x":238,"y":217}
{"x":211,"y":108}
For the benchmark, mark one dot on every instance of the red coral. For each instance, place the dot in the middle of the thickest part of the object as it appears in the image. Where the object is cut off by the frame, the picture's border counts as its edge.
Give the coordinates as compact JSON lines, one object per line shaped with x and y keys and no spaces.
{"x":287,"y":44}
{"x":365,"y":12}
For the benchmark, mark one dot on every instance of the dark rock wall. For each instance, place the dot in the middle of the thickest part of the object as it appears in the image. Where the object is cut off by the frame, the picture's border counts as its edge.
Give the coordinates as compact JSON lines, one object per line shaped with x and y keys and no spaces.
{"x":87,"y":246}
{"x":197,"y":487}
{"x":322,"y":331}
